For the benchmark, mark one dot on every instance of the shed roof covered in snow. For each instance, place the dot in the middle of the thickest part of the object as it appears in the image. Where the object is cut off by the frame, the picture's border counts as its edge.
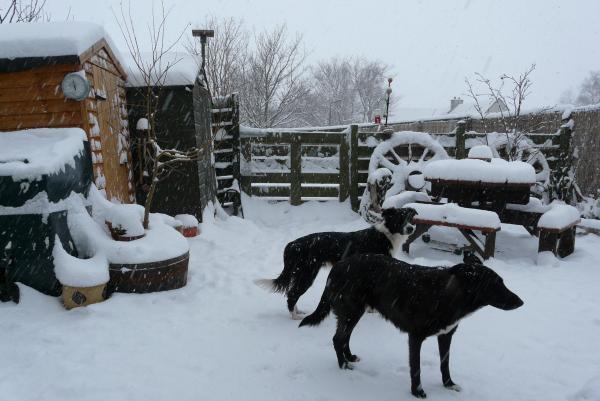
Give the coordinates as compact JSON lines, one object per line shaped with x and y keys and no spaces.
{"x":27,"y":45}
{"x":182,"y":70}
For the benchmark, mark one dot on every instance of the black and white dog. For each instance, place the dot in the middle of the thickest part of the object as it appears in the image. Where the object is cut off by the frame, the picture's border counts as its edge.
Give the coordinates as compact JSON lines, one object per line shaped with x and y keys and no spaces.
{"x":304,"y":257}
{"x":421,"y":301}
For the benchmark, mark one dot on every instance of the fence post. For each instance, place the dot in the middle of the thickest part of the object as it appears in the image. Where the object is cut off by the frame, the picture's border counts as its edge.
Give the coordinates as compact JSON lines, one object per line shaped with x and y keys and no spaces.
{"x":461,"y":152}
{"x":295,"y":171}
{"x":562,"y":185}
{"x":344,"y":180}
{"x":245,"y":153}
{"x":353,"y":167}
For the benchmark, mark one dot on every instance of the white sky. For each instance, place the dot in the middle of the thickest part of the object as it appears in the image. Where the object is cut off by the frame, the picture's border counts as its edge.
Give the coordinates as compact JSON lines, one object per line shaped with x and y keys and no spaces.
{"x":432,"y":45}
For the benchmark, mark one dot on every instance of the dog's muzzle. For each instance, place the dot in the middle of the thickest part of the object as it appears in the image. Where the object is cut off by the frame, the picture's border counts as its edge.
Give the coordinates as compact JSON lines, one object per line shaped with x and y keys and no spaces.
{"x":409,"y":229}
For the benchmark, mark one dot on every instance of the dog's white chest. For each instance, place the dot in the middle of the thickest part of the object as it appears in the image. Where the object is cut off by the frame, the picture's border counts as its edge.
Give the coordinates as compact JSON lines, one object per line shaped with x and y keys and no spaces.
{"x":397,"y":241}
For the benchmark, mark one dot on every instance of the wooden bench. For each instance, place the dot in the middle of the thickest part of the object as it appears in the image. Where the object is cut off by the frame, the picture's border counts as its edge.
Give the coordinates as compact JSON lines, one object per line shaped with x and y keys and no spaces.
{"x":466,"y":220}
{"x":556,"y":229}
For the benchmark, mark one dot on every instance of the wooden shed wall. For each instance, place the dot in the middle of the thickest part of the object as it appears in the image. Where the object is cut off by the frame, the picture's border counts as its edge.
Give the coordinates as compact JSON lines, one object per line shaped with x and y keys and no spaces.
{"x":33,"y":98}
{"x":108,"y":126}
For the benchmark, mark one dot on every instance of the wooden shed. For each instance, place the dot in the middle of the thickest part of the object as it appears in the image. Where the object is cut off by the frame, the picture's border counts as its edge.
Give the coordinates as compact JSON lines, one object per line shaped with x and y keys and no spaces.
{"x":66,"y":74}
{"x":182,"y":121}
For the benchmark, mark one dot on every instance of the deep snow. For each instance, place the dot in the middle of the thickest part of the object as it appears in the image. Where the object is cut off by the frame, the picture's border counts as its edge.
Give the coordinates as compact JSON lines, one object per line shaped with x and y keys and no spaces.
{"x":223,"y":338}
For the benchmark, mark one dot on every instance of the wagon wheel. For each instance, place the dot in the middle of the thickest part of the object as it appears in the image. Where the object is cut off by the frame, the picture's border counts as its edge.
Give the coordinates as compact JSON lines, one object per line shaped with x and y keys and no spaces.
{"x":527,"y":152}
{"x":406,"y":154}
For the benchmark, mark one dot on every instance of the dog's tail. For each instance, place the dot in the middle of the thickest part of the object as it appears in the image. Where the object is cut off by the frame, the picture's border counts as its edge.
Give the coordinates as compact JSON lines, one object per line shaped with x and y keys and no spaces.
{"x":280,"y":284}
{"x":323,"y":309}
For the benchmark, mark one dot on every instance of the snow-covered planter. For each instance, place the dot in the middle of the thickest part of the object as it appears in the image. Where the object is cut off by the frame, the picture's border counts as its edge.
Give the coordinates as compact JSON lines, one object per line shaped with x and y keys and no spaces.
{"x":84,"y":280}
{"x":481,"y":152}
{"x":125,"y":222}
{"x":156,"y":262}
{"x":189,"y":225}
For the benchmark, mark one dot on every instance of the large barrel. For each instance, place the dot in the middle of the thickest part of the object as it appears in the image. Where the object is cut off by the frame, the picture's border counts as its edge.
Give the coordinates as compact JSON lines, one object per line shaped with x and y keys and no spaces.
{"x":162,"y":275}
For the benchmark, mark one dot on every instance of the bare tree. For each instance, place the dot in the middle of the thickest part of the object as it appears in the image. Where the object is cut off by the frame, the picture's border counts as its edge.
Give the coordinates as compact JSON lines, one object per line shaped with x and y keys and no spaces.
{"x":12,"y":11}
{"x":334,"y":98}
{"x":226,"y":53}
{"x":508,"y":96}
{"x":152,"y":68}
{"x":369,"y":80}
{"x":272,"y":85}
{"x":589,"y":92}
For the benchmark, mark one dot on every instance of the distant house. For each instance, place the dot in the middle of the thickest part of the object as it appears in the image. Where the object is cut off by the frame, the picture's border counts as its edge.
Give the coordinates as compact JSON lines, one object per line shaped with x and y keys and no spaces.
{"x":459,"y":107}
{"x":67,"y":74}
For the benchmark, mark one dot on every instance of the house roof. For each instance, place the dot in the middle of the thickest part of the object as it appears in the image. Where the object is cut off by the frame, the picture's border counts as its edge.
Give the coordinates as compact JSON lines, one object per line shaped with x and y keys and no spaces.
{"x":467,"y":108}
{"x":32,"y":44}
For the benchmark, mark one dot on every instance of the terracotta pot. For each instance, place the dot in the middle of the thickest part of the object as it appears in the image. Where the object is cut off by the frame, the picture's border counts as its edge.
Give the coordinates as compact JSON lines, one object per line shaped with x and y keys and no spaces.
{"x":190,"y":231}
{"x":74,"y":297}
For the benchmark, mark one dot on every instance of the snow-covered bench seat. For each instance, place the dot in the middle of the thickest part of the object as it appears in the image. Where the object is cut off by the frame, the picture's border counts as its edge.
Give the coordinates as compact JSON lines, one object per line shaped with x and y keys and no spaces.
{"x":555,"y":224}
{"x":557,"y":229}
{"x":464,"y":219}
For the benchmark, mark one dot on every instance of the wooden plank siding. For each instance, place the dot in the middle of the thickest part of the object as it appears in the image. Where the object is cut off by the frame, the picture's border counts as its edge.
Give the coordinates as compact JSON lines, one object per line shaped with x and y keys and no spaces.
{"x":33,"y":98}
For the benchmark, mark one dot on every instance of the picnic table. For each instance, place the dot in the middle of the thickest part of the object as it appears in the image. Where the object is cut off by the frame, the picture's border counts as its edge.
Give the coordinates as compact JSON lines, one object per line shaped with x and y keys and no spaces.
{"x":500,"y":191}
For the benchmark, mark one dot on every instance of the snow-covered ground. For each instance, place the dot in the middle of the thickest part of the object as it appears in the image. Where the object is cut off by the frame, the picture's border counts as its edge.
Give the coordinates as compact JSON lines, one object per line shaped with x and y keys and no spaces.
{"x":223,"y":338}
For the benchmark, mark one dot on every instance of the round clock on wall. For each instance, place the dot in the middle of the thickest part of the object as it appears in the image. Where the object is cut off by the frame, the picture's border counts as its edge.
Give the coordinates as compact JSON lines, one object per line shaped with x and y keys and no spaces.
{"x":75,"y":86}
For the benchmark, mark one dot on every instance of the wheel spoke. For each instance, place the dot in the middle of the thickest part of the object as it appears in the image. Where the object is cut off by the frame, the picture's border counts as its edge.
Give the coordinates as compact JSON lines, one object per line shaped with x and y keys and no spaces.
{"x":424,"y":155}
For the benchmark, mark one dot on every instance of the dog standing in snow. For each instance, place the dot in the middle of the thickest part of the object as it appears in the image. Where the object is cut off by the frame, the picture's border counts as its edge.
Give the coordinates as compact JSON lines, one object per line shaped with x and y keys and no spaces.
{"x":304,"y":257}
{"x":421,"y":301}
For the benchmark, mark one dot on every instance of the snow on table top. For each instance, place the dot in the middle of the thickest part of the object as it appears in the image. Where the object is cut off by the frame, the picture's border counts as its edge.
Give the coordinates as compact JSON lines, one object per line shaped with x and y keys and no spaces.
{"x":29,"y":154}
{"x":495,"y":171}
{"x":182,"y":70}
{"x":559,"y":216}
{"x":47,"y":39}
{"x":451,"y":213}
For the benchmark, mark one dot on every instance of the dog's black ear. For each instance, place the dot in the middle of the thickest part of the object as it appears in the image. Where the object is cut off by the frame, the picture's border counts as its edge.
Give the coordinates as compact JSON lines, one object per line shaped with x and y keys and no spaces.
{"x":408,"y":213}
{"x":389,"y":212}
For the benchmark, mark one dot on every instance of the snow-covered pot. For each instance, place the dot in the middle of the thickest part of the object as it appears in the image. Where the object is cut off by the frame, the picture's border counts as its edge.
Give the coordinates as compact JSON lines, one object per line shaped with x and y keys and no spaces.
{"x":84,"y":281}
{"x":120,"y":234}
{"x":189,"y":225}
{"x":74,"y":297}
{"x":481,"y":152}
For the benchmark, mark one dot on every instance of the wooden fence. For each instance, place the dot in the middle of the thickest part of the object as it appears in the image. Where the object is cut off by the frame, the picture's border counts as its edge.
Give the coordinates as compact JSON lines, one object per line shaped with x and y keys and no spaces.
{"x":274,"y":164}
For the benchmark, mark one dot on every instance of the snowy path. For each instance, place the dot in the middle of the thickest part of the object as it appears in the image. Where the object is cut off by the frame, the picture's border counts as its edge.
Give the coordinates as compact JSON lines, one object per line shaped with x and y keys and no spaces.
{"x":222,"y":338}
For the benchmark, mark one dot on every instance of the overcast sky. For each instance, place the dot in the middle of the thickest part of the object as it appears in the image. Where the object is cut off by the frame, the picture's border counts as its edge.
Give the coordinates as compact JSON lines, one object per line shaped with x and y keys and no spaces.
{"x":432,"y":45}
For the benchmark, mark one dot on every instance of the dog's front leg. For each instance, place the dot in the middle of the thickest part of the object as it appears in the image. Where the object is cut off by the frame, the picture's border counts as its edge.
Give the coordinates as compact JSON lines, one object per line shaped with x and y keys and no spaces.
{"x":444,"y":341}
{"x":414,"y":355}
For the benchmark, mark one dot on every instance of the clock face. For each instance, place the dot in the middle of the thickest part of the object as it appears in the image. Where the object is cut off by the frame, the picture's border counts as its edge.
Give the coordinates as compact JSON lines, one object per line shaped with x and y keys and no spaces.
{"x":75,"y":86}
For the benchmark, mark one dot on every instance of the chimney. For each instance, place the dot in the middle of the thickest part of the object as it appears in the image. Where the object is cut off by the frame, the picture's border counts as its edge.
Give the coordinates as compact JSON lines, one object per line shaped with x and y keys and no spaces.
{"x":454,"y":102}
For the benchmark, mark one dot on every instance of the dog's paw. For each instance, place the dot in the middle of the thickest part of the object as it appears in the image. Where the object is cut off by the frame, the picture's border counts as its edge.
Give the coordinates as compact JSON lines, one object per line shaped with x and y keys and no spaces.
{"x":354,"y":358}
{"x":418,"y":392}
{"x":347,"y":365}
{"x":453,"y":386}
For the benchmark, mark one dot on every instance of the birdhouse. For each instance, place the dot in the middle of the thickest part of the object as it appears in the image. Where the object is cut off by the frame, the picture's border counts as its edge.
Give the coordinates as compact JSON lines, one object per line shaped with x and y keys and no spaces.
{"x":67,"y":74}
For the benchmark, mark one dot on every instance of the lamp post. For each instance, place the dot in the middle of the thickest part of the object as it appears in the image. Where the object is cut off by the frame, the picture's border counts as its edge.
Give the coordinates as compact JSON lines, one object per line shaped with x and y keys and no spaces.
{"x":388,"y":92}
{"x":203,"y":34}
